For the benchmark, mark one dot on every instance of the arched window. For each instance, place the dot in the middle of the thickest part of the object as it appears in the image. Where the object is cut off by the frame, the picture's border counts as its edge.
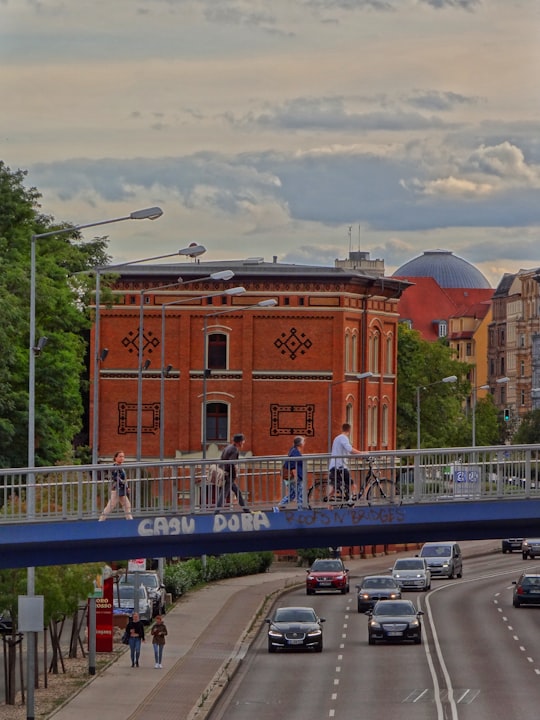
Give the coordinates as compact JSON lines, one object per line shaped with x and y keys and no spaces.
{"x":389,"y":355}
{"x":347,"y":352}
{"x":217,"y":351}
{"x":374,"y":355}
{"x":349,"y":416}
{"x":217,"y":422}
{"x":384,"y":429}
{"x":374,"y":423}
{"x":354,"y":365}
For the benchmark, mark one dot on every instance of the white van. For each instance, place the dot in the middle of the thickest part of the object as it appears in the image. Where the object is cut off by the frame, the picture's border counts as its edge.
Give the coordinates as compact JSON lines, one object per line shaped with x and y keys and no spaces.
{"x":444,"y":558}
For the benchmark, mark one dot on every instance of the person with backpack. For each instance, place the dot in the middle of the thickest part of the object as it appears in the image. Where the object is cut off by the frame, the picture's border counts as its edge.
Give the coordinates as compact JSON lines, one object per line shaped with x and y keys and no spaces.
{"x":293,"y":474}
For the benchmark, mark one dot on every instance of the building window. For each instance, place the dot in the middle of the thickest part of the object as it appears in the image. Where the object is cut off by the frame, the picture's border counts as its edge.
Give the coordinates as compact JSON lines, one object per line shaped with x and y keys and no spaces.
{"x":522,"y":397}
{"x":522,"y":341}
{"x":217,"y":422}
{"x":354,"y":348}
{"x":443,"y":328}
{"x":522,"y":368}
{"x":384,"y":429}
{"x":468,"y":349}
{"x":374,"y":355}
{"x":389,"y":355}
{"x":502,"y":366}
{"x":217,"y":351}
{"x":347,"y":352}
{"x":349,"y":415}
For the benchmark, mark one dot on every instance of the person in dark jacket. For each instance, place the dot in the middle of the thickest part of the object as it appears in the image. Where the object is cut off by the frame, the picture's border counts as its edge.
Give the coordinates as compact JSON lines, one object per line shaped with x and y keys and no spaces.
{"x":159,"y":630}
{"x":294,"y":469}
{"x":231,"y":452}
{"x":135,"y":631}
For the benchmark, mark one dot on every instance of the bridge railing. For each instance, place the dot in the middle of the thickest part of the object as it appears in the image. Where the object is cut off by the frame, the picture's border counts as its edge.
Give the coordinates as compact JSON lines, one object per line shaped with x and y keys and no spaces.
{"x":188,"y":486}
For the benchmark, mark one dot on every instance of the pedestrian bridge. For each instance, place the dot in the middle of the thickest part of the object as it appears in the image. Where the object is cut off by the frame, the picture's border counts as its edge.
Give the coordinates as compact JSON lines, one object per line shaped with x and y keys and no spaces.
{"x":49,"y":516}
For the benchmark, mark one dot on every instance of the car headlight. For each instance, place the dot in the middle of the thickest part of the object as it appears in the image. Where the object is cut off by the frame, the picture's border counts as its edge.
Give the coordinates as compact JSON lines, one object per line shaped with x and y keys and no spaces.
{"x":374,"y":624}
{"x":310,"y":578}
{"x":397,"y":575}
{"x":275,"y":633}
{"x":314,"y":633}
{"x":394,"y":596}
{"x":340,"y":577}
{"x":414,"y":624}
{"x":364,"y":596}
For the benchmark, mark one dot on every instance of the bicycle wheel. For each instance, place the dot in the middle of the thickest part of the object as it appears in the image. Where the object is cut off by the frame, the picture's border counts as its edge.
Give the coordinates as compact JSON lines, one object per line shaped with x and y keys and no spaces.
{"x":381,"y":489}
{"x":318,"y":493}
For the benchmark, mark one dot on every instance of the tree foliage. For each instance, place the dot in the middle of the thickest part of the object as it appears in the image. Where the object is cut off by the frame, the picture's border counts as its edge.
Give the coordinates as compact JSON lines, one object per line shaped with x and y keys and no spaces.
{"x":61,"y":315}
{"x":528,"y":432}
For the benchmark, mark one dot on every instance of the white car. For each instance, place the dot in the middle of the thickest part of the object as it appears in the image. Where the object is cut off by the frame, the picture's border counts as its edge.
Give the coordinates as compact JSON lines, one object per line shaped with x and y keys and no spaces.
{"x":412,"y":574}
{"x":124,"y":602}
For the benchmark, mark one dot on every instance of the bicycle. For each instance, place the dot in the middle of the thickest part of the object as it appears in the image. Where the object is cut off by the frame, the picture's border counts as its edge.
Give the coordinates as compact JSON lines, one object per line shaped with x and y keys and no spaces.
{"x":373,"y":489}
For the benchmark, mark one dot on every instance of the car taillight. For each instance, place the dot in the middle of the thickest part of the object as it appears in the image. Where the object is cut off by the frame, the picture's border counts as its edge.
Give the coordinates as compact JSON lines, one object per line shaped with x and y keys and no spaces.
{"x":520,"y":590}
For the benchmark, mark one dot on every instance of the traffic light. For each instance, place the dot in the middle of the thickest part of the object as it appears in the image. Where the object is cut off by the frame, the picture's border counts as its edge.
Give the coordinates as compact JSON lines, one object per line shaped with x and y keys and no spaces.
{"x":506,"y":414}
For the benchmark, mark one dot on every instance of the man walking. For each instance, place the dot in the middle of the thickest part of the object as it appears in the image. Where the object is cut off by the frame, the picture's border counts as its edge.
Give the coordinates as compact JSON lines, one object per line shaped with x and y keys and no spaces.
{"x":338,"y":471}
{"x":231,"y":452}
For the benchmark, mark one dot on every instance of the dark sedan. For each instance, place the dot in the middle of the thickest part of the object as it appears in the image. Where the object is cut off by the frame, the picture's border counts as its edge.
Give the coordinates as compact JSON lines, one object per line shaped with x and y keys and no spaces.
{"x":526,"y":590}
{"x":295,"y":628}
{"x":511,"y":544}
{"x":394,"y":621}
{"x":374,"y":588}
{"x":530,"y":548}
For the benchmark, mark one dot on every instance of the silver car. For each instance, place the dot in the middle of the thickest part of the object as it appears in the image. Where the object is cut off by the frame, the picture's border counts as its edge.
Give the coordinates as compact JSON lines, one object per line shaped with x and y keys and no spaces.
{"x":412,"y":574}
{"x":124,"y":602}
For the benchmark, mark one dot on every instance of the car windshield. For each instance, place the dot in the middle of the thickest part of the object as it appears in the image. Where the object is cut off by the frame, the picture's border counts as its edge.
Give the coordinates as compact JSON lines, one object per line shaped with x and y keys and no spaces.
{"x":295,"y":615}
{"x":531,"y":582}
{"x":126,"y":592}
{"x":436,"y":551}
{"x":378,"y":583}
{"x":409,"y":565}
{"x":388,"y":608}
{"x":327,"y":566}
{"x":149,"y":581}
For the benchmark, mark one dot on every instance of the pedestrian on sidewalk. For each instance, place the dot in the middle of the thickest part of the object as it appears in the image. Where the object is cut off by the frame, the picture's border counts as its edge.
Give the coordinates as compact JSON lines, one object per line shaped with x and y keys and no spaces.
{"x":119,"y":489}
{"x":338,"y":476}
{"x":135,"y":631}
{"x":159,"y":630}
{"x":293,"y":473}
{"x":231,"y":452}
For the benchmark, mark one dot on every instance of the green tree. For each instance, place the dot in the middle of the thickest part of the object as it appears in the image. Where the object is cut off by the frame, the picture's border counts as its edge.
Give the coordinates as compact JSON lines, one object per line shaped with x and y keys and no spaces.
{"x":423,"y":364}
{"x":62,"y":295}
{"x":529,"y":430}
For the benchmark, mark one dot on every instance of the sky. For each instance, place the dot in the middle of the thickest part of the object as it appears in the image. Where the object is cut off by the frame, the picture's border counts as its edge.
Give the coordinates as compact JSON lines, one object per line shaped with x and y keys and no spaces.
{"x":301,"y":129}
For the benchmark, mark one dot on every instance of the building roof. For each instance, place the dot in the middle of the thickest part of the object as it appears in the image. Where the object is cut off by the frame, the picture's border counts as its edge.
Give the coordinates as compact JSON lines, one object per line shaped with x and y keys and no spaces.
{"x":447,"y":269}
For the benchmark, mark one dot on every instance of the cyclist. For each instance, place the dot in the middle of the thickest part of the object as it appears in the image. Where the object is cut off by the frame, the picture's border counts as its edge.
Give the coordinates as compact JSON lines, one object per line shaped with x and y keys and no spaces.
{"x":338,"y":471}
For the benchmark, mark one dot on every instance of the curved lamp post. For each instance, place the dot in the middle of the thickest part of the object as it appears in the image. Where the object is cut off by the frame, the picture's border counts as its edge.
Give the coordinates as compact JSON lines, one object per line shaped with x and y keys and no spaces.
{"x":165,"y":370}
{"x":356,"y":376}
{"x":271,"y":302}
{"x":146,"y":214}
{"x":449,"y":379}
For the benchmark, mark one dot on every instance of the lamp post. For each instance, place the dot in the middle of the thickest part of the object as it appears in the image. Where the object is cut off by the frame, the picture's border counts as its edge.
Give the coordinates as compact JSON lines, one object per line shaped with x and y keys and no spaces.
{"x":356,"y":376}
{"x":499,"y":381}
{"x":146,"y":214}
{"x":166,"y":370}
{"x":271,"y":302}
{"x":449,"y":379}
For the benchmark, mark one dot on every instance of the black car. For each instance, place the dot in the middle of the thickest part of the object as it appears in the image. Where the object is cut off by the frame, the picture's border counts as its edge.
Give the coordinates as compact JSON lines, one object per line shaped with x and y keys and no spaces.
{"x":374,"y":588}
{"x":394,"y":621}
{"x":511,"y":544}
{"x":526,"y":590}
{"x":530,"y":548}
{"x":295,"y":628}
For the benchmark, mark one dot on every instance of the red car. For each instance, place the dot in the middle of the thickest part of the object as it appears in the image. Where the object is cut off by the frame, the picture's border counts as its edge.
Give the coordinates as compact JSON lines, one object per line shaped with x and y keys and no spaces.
{"x":327,"y":574}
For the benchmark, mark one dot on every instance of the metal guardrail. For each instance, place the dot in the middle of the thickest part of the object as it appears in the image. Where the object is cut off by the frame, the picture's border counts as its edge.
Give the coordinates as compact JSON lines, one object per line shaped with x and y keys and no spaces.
{"x":185,"y":487}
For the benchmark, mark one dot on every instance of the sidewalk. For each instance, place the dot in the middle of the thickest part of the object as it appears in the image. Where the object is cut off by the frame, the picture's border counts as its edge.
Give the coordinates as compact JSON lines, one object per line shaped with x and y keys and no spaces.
{"x":209,"y":633}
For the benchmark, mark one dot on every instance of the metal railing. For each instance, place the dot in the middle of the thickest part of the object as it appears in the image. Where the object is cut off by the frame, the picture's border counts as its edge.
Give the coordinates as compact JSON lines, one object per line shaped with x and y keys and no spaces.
{"x":186,"y":487}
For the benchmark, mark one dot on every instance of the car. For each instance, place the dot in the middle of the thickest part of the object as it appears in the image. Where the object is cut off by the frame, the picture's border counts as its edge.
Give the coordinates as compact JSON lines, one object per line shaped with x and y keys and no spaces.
{"x":124,"y":602}
{"x":444,"y":559}
{"x":526,"y":590}
{"x":327,"y":574}
{"x":412,"y":573}
{"x":511,"y":544}
{"x":6,"y":623}
{"x":154,"y":587}
{"x":295,"y":628}
{"x":374,"y":588}
{"x":394,"y":621}
{"x":530,"y":548}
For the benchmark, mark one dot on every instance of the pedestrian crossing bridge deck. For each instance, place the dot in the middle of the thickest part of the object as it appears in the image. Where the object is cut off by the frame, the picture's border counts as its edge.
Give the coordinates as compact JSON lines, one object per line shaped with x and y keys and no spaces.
{"x":49,"y":516}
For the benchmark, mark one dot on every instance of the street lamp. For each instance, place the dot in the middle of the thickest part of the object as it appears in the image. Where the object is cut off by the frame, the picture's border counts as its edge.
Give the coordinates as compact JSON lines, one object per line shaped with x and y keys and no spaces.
{"x":146,"y":214}
{"x":271,"y":302}
{"x":166,"y":370}
{"x":499,"y":381}
{"x":449,"y":379}
{"x":356,"y":376}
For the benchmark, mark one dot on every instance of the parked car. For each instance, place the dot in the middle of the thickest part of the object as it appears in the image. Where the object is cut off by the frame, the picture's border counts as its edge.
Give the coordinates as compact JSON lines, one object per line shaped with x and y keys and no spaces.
{"x":444,"y":559}
{"x":394,"y":621}
{"x":154,"y":587}
{"x":374,"y":588}
{"x":295,"y":628}
{"x":511,"y":544}
{"x":327,"y":574}
{"x":412,"y":573}
{"x":124,"y":602}
{"x":526,"y":590}
{"x":530,"y":548}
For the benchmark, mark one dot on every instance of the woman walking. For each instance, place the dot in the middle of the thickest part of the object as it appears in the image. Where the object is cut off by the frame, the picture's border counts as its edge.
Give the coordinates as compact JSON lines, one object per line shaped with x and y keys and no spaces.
{"x":135,"y":631}
{"x":119,"y":489}
{"x":158,"y":640}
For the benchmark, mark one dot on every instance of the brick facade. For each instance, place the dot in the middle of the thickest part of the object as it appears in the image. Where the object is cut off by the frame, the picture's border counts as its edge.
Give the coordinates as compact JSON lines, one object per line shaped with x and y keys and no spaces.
{"x":282,"y":364}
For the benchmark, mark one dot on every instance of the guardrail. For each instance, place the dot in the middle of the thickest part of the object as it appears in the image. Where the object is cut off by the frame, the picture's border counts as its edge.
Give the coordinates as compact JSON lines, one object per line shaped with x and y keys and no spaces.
{"x":186,"y":486}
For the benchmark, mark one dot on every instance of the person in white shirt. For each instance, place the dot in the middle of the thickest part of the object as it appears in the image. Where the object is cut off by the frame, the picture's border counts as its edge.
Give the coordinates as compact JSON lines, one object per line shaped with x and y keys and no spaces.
{"x":338,"y":471}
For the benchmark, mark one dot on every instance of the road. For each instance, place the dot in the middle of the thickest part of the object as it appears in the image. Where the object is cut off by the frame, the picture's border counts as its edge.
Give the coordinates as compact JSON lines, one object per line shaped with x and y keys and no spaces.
{"x":479,"y":658}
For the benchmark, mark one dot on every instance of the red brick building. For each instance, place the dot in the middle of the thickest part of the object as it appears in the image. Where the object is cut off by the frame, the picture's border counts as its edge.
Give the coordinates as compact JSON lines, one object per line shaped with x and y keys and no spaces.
{"x":272,"y":372}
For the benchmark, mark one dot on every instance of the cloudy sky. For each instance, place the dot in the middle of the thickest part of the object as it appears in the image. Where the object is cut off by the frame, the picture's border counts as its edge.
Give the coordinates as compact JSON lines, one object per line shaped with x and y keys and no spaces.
{"x":297,"y":128}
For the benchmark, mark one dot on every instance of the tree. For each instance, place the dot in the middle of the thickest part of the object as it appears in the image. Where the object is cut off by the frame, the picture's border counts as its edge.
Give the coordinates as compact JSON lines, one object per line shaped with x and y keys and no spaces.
{"x":529,"y":430}
{"x":61,"y":315}
{"x":423,"y":364}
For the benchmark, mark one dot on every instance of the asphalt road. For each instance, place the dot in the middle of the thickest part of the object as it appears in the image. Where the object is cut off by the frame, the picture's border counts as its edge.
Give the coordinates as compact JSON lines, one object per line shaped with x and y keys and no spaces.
{"x":479,"y":658}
